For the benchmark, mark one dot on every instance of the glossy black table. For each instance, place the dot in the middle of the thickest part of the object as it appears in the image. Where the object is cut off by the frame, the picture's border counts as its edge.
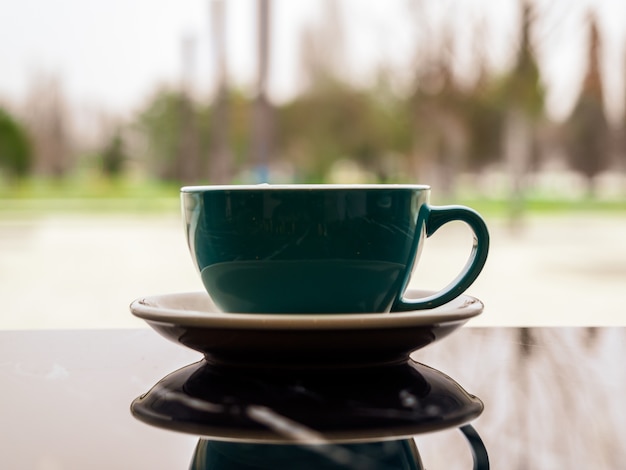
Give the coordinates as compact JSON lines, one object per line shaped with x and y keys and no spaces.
{"x":553,"y":397}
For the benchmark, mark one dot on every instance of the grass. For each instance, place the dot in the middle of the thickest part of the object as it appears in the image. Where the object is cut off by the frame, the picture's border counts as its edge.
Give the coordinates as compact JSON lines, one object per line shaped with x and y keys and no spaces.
{"x":539,"y":205}
{"x":99,"y":195}
{"x":35,"y":196}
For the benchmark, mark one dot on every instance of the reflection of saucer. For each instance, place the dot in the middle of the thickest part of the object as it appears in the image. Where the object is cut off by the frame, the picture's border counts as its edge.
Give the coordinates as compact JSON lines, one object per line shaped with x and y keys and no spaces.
{"x":313,"y":406}
{"x":192,"y":319}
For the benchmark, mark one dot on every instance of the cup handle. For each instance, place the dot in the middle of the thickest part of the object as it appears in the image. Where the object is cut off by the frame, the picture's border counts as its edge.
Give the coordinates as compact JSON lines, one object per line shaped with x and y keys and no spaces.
{"x":435,"y":218}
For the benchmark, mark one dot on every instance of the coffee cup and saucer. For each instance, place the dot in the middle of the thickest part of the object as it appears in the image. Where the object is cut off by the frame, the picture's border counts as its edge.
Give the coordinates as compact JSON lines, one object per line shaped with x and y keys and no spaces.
{"x":314,"y":275}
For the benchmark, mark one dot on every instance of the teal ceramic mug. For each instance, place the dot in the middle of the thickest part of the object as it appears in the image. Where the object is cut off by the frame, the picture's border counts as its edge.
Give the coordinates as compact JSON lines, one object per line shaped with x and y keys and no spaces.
{"x":319,"y":248}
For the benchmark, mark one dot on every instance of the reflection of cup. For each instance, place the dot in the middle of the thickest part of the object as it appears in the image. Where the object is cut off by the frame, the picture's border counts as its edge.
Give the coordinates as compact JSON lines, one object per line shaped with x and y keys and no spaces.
{"x":319,"y":248}
{"x":391,"y":455}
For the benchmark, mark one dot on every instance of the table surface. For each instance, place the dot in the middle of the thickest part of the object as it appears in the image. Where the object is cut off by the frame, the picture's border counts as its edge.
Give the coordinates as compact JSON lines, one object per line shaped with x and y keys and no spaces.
{"x":553,"y":398}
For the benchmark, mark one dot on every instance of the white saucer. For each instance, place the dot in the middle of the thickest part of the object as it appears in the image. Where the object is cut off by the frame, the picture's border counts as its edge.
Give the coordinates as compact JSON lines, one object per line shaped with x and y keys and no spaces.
{"x":192,"y":320}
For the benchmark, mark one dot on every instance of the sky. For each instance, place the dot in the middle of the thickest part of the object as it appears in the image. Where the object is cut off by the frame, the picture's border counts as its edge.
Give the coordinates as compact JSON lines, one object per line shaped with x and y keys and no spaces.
{"x":113,"y":54}
{"x":116,"y":51}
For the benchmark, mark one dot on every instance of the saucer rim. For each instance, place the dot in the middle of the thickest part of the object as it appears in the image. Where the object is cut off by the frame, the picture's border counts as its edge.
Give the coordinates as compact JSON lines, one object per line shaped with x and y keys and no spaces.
{"x":327,"y":437}
{"x":462,"y":308}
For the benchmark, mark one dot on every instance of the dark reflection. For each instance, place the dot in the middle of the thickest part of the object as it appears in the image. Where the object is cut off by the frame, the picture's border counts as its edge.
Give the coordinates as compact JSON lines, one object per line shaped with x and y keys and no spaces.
{"x":591,"y":337}
{"x":526,"y":342}
{"x":310,"y":418}
{"x":273,"y":405}
{"x":386,"y":455}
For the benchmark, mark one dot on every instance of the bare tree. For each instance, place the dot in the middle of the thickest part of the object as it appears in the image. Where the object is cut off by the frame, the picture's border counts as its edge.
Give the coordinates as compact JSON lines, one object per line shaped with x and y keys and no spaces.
{"x":438,"y":103}
{"x":46,"y":114}
{"x":262,"y":117}
{"x":188,"y":158}
{"x":525,"y":98}
{"x":322,"y":49}
{"x":220,"y":157}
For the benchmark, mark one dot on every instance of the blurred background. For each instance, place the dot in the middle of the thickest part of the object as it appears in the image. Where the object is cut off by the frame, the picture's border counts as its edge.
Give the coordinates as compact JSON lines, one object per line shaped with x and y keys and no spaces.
{"x":515,"y":108}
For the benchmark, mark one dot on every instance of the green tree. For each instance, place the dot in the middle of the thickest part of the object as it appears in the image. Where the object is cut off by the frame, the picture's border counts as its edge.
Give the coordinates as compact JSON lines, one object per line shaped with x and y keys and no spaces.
{"x":239,"y":137}
{"x":335,"y":121}
{"x":16,"y":156}
{"x":485,"y":117}
{"x":170,"y":124}
{"x":587,"y":131}
{"x":114,"y":156}
{"x":159,"y":124}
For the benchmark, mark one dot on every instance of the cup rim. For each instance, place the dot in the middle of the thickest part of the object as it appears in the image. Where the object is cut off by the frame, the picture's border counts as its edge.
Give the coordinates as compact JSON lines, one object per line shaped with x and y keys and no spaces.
{"x":302,"y":187}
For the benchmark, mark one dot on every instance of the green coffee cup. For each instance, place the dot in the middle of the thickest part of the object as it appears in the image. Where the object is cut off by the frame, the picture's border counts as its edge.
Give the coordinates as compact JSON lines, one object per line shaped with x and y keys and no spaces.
{"x":319,"y":248}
